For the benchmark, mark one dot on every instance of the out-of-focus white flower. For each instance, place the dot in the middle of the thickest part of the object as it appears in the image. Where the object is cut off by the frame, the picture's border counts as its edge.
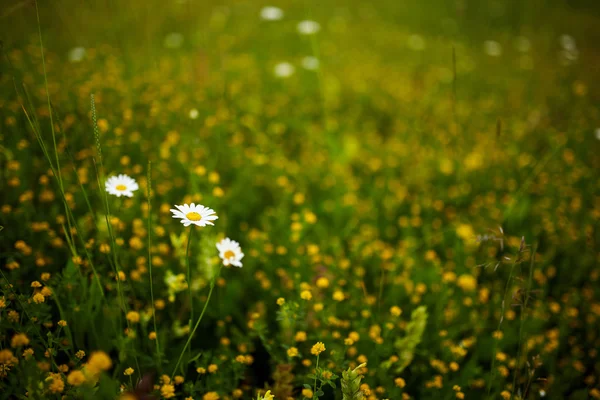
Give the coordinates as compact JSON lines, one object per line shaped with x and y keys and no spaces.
{"x":193,"y":214}
{"x":270,"y":13}
{"x":308,"y":27}
{"x":76,"y":54}
{"x":416,"y":42}
{"x":230,"y":252}
{"x":284,"y":70}
{"x":598,"y":133}
{"x":542,"y":393}
{"x":522,"y":44}
{"x":193,"y":113}
{"x":492,"y":48}
{"x":567,"y":42}
{"x":121,"y":185}
{"x":311,"y":63}
{"x":173,"y":40}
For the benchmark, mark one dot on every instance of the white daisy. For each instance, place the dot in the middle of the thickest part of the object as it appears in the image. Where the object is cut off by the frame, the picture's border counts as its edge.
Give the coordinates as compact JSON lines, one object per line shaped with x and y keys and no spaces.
{"x":416,"y":42}
{"x":308,"y":27}
{"x":310,"y":63}
{"x":121,"y":185}
{"x":77,"y":54}
{"x":194,"y":214}
{"x":284,"y":70}
{"x":230,"y":252}
{"x":270,"y":13}
{"x":492,"y":48}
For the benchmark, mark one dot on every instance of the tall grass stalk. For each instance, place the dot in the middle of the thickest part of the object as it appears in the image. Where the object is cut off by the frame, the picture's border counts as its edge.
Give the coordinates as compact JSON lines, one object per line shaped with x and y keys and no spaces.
{"x":34,"y":124}
{"x":522,"y":322}
{"x":99,"y":173}
{"x":503,"y":308}
{"x":158,"y":355}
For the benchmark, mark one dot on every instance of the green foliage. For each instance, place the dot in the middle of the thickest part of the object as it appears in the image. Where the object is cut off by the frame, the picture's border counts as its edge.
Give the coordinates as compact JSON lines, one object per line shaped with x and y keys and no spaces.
{"x":350,"y":383}
{"x":391,"y":203}
{"x":407,"y":345}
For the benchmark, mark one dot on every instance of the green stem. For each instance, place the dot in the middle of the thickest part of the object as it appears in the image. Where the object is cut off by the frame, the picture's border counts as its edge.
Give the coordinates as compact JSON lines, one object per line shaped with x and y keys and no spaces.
{"x":316,"y":372}
{"x":189,"y":276}
{"x":512,"y":268}
{"x":212,"y":285}
{"x":158,"y":355}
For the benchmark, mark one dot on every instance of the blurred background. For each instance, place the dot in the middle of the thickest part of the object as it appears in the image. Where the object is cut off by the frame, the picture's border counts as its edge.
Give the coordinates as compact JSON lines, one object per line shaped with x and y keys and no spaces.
{"x":407,"y":129}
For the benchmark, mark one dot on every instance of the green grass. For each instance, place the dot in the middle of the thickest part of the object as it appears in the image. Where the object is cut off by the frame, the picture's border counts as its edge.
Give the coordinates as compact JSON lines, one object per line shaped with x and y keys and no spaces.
{"x":355,"y":191}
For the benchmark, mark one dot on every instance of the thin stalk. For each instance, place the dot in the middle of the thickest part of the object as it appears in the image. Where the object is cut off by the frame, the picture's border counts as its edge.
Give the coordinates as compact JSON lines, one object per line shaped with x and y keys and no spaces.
{"x":512,"y":268}
{"x":158,"y":355}
{"x":316,"y":372}
{"x":189,"y":276}
{"x":522,"y":322}
{"x":212,"y":286}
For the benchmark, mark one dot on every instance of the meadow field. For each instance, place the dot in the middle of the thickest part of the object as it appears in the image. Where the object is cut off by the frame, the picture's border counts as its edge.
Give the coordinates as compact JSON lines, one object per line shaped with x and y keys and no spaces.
{"x":299,"y":200}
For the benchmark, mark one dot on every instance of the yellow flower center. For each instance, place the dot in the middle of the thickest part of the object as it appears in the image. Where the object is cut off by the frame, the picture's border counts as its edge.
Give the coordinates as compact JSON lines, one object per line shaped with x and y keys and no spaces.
{"x":229,"y":254}
{"x":121,"y":187}
{"x":193,"y":216}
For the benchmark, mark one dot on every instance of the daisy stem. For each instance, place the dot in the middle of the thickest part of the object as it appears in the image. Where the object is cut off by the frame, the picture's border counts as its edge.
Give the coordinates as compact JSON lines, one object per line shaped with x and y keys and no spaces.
{"x":212,"y":286}
{"x":189,"y":276}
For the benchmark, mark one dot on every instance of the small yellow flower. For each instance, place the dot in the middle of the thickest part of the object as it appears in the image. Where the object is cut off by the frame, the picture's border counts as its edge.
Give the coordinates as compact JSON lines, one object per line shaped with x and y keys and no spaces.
{"x":318,"y":348}
{"x":211,"y":396}
{"x":38,"y":298}
{"x":57,"y":385}
{"x":399,"y":382}
{"x":212,"y":368}
{"x":80,"y":354}
{"x":36,"y":284}
{"x":268,"y":396}
{"x":307,"y":393}
{"x":292,"y":352}
{"x":300,"y":336}
{"x":99,"y":361}
{"x":306,"y":295}
{"x":133,"y":316}
{"x":76,"y":378}
{"x":280,"y":301}
{"x":396,"y":311}
{"x":322,"y":282}
{"x":338,"y":295}
{"x":467,"y":282}
{"x":505,"y":394}
{"x":152,"y":335}
{"x":27,"y":353}
{"x":201,"y":370}
{"x":62,"y":323}
{"x":167,"y":391}
{"x":178,"y":379}
{"x":129,"y":371}
{"x":19,"y":340}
